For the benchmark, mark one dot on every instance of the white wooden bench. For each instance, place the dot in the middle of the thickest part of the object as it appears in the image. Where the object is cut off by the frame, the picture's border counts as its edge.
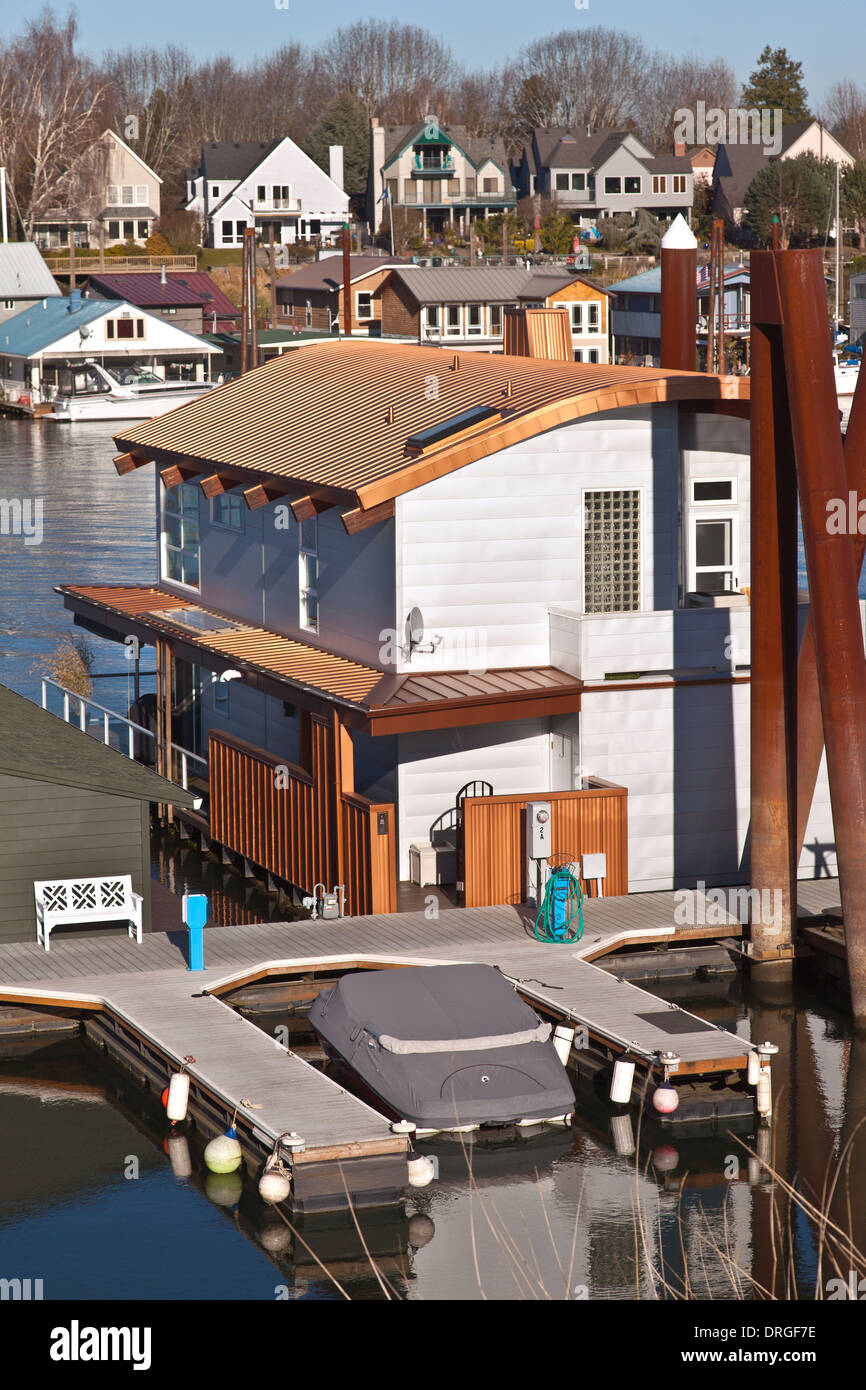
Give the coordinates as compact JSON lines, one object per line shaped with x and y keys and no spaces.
{"x":67,"y":902}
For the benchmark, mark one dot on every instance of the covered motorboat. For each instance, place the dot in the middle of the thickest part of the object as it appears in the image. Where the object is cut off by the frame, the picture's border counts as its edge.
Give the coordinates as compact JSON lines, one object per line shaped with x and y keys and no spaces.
{"x":445,"y":1046}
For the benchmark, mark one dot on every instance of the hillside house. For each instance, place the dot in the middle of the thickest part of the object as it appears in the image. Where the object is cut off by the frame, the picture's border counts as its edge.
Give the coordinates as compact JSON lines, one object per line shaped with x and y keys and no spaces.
{"x":430,"y":175}
{"x":108,"y":196}
{"x":608,"y":171}
{"x":737,"y":164}
{"x":269,"y":185}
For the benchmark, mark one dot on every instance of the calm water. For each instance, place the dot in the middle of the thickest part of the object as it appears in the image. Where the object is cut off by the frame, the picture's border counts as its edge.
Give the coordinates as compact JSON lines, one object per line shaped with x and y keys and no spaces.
{"x":83,"y":1168}
{"x":542,"y":1218}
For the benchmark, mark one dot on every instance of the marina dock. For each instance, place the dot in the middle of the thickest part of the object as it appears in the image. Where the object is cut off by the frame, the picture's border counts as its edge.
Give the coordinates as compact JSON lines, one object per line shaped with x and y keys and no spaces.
{"x":144,"y":1007}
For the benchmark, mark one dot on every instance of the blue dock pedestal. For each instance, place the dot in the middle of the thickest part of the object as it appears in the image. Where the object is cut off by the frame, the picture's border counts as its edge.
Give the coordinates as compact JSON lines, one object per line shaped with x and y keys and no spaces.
{"x":195,"y":916}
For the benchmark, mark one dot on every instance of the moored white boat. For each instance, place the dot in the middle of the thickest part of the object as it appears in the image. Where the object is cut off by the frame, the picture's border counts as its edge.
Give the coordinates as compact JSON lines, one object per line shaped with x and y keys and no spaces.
{"x":89,"y":391}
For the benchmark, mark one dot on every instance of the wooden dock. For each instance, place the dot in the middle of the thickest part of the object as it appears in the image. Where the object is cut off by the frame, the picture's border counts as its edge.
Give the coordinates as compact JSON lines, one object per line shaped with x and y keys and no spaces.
{"x":152,"y":1007}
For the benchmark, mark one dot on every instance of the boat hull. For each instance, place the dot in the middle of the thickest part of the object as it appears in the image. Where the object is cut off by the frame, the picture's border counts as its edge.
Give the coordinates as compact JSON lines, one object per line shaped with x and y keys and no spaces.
{"x":109,"y":407}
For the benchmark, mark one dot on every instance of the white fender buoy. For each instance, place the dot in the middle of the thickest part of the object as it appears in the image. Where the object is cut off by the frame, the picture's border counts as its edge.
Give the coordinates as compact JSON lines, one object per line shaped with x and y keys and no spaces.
{"x":754,"y":1069}
{"x":665,"y":1099}
{"x":563,"y":1039}
{"x":178,"y":1156}
{"x":621,"y":1082}
{"x":274,"y":1186}
{"x":223,"y":1154}
{"x":421,"y":1230}
{"x":421,"y":1171}
{"x":178,"y":1097}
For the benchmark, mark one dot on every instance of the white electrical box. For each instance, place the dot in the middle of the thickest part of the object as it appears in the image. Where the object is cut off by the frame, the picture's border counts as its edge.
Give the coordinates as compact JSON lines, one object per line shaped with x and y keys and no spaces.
{"x":594,"y":866}
{"x":538,"y":829}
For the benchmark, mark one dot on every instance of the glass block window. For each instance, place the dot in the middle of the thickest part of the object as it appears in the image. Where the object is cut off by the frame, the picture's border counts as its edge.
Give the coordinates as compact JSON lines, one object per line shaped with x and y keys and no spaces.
{"x":180,"y":534}
{"x":611,"y":551}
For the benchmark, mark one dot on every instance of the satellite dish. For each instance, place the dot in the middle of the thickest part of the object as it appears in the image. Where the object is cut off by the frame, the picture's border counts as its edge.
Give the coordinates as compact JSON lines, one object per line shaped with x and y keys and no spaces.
{"x":84,"y":332}
{"x":414,"y":629}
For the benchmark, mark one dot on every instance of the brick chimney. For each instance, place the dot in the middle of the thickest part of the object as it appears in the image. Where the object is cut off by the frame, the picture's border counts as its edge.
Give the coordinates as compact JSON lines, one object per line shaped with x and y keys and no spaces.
{"x":679,"y":149}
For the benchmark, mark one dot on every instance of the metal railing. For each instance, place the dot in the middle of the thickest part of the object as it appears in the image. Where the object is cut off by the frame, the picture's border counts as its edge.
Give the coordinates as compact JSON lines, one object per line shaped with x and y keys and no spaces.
{"x":90,"y":717}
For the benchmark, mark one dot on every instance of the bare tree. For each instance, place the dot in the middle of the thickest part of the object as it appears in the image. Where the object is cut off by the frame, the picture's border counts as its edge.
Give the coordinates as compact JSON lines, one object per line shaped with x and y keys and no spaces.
{"x":845,"y":114}
{"x":592,"y":79}
{"x":673,"y":85}
{"x":51,"y":105}
{"x":399,"y":72}
{"x":152,"y":91}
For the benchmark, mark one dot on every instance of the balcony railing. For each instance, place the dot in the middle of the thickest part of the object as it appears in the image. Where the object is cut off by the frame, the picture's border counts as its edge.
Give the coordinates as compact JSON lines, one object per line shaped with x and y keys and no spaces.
{"x":277,"y":205}
{"x":433,"y":164}
{"x":122,"y":734}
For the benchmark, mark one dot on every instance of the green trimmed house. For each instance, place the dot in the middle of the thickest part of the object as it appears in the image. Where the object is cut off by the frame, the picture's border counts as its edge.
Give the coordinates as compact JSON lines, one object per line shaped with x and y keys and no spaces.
{"x":441,"y":173}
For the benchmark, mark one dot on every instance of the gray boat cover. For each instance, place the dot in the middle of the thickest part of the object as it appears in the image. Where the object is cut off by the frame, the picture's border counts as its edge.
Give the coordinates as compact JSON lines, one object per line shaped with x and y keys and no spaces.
{"x":445,"y":1045}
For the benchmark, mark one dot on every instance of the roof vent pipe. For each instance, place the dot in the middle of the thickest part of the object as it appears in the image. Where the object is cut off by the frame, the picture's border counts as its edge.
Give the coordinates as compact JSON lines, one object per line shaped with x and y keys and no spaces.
{"x":455,"y":365}
{"x":162,"y":278}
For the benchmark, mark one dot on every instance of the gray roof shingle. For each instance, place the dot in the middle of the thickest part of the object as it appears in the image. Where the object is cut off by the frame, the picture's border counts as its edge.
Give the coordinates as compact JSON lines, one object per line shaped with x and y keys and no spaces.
{"x":23,"y":273}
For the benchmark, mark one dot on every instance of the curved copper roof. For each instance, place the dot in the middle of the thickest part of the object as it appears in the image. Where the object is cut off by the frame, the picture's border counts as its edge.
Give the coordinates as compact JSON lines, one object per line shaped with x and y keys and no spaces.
{"x":338,"y":415}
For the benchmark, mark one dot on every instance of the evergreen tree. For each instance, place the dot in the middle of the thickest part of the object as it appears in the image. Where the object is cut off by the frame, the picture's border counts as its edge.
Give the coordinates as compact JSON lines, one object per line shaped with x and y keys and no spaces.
{"x":344,"y":123}
{"x":797,"y":192}
{"x":777,"y":82}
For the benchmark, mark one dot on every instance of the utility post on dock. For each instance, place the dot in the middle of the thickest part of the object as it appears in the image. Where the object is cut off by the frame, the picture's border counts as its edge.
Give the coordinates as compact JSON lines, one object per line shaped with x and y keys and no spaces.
{"x":794,"y":401}
{"x":773,"y":620}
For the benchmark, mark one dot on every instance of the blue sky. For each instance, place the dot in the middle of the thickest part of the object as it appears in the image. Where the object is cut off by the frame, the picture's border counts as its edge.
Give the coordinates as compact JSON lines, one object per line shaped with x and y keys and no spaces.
{"x":488,"y":30}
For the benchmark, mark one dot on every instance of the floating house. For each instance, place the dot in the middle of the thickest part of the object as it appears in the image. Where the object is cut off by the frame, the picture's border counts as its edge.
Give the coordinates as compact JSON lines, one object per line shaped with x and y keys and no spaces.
{"x":70,"y":808}
{"x":465,"y":306}
{"x":38,"y":342}
{"x":402,"y":592}
{"x":190,"y":299}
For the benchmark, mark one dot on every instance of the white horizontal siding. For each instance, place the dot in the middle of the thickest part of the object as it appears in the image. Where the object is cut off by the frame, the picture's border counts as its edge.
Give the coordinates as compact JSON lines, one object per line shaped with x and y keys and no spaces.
{"x":483,"y":552}
{"x":513,"y":757}
{"x":591,"y":646}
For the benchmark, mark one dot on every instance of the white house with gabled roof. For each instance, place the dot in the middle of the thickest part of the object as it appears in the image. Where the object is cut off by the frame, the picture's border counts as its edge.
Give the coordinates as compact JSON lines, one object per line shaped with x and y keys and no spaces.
{"x":270,"y":185}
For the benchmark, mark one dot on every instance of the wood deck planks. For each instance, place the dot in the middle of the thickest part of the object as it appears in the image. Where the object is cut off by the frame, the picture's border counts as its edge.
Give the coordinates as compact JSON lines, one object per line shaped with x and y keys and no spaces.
{"x":149,"y":988}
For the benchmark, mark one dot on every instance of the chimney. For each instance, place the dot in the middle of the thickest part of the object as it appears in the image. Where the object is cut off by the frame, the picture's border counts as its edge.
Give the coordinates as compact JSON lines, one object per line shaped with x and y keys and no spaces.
{"x":74,"y":301}
{"x":335,"y":164}
{"x":680,"y":149}
{"x":377,"y":164}
{"x":162,"y":277}
{"x":679,"y":263}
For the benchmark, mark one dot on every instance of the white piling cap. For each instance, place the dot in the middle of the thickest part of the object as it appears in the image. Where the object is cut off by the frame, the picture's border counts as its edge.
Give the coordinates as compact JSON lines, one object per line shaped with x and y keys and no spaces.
{"x":679,"y":236}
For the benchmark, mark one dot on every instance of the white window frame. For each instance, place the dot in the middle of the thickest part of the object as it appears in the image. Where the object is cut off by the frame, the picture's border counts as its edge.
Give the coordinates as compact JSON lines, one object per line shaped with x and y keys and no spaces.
{"x":114,"y":195}
{"x":452,"y":331}
{"x":431,"y":329}
{"x":642,"y":543}
{"x":368,"y":295}
{"x":613,"y":192}
{"x":141,"y":194}
{"x":496,"y":319}
{"x":679,"y":183}
{"x":632,"y":192}
{"x":720,"y":502}
{"x":593,"y":304}
{"x":575,"y":311}
{"x":228,"y":525}
{"x":719,"y":514}
{"x":660,"y":183}
{"x":164,"y":546}
{"x":474,"y":330}
{"x":308,"y":550}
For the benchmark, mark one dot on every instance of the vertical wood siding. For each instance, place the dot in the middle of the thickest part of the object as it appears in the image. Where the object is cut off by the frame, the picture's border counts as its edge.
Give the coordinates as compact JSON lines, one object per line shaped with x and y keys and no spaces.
{"x":582,"y":822}
{"x":288,"y":820}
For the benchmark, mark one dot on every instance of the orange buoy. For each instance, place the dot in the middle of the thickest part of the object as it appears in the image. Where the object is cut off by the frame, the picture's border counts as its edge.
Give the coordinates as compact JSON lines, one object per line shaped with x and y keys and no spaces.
{"x":165,"y":1099}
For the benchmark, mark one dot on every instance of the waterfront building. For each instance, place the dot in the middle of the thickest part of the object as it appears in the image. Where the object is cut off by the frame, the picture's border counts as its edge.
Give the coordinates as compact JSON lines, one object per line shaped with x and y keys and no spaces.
{"x":404,"y":591}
